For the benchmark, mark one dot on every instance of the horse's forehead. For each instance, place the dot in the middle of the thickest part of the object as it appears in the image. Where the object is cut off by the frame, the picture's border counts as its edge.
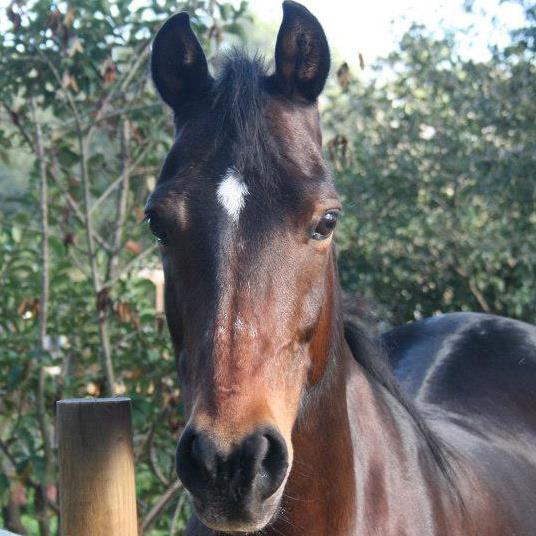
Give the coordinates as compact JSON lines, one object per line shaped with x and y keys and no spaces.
{"x":292,"y":118}
{"x":206,"y":168}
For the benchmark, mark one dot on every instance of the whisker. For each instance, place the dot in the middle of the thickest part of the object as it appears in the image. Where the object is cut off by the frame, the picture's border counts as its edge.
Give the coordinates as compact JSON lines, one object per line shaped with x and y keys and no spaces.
{"x":297,"y":499}
{"x":286,"y":520}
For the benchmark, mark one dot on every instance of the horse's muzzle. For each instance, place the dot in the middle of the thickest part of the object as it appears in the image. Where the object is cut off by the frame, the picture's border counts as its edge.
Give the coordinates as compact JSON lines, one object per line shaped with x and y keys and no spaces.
{"x":235,"y":490}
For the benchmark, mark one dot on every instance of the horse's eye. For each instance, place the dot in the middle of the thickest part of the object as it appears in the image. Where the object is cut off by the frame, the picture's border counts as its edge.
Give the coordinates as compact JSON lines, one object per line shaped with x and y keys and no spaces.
{"x":156,"y":226}
{"x":325,"y":226}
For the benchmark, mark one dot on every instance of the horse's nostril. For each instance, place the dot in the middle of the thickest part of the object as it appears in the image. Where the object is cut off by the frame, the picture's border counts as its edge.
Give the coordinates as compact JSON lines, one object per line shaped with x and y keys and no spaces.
{"x":204,"y":454}
{"x":275,"y":453}
{"x":196,"y":461}
{"x":274,"y":463}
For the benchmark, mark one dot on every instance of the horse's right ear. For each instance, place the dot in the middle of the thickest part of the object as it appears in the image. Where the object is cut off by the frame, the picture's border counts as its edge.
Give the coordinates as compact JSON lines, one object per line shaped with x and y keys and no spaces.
{"x":178,"y":64}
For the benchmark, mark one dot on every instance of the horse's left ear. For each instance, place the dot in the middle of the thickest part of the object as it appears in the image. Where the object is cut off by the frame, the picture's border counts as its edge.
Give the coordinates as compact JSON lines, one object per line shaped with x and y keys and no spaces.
{"x":301,"y":54}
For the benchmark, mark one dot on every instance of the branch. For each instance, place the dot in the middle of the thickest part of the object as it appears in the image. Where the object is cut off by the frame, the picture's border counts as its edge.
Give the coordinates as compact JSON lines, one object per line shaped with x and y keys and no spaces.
{"x":8,"y":454}
{"x":157,"y":509}
{"x":82,"y":267}
{"x":84,"y":176}
{"x":120,"y":87}
{"x":128,"y":267}
{"x":153,"y":462}
{"x":45,"y":290}
{"x":12,"y":515}
{"x":41,"y":495}
{"x":122,"y":198}
{"x":119,"y":179}
{"x":43,"y":201}
{"x":474,"y":290}
{"x":20,"y":127}
{"x":42,"y":517}
{"x":75,"y":207}
{"x":125,"y":111}
{"x":106,"y":351}
{"x":65,"y":92}
{"x":80,"y":217}
{"x":175,"y":520}
{"x":83,"y":143}
{"x":146,"y":448}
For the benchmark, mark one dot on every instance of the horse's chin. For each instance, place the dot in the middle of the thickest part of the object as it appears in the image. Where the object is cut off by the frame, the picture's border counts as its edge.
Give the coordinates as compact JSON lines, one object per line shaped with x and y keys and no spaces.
{"x":235,"y":528}
{"x":246,"y":522}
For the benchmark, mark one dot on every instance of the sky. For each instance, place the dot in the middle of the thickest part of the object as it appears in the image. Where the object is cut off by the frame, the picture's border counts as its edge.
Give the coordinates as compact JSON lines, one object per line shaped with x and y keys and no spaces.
{"x":374,"y":27}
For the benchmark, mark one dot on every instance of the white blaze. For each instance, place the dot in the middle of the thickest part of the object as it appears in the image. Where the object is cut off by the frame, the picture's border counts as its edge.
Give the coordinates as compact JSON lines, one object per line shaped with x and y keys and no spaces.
{"x":231,"y":193}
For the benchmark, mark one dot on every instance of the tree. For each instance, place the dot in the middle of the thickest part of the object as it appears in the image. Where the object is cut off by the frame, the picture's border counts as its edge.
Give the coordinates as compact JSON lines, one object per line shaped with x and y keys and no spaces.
{"x":435,"y":159}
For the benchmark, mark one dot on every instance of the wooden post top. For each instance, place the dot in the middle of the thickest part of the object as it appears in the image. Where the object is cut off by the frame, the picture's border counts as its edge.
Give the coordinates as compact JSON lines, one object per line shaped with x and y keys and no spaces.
{"x":96,"y":461}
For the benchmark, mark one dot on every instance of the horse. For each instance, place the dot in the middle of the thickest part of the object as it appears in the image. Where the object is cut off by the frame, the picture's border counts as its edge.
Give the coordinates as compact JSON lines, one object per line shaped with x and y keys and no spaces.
{"x":299,"y":422}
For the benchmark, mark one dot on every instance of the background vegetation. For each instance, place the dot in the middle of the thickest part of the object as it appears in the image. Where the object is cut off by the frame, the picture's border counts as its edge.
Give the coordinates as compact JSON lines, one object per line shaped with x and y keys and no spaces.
{"x":435,"y":157}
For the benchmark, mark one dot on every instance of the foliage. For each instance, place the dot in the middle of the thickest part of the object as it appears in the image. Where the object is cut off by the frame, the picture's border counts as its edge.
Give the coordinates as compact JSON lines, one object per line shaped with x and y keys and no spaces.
{"x":435,"y":158}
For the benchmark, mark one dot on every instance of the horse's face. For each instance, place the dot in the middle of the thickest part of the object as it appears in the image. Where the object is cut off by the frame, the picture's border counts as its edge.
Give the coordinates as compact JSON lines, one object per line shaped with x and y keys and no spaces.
{"x":244,"y":210}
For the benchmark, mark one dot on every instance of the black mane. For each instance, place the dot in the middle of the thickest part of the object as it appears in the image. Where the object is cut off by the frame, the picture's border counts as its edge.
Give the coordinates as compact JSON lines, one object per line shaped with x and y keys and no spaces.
{"x":239,"y":98}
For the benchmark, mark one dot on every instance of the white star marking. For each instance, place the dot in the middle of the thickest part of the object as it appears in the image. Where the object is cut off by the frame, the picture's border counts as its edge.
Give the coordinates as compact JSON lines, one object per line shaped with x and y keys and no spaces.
{"x":231,"y":193}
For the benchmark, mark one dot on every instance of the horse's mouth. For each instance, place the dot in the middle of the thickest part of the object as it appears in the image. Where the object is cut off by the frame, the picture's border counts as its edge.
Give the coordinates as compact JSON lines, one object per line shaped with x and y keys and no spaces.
{"x":224,"y":518}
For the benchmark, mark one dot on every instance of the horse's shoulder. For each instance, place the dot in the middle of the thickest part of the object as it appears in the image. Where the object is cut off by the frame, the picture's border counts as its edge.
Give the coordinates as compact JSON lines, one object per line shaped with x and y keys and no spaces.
{"x":463,"y":360}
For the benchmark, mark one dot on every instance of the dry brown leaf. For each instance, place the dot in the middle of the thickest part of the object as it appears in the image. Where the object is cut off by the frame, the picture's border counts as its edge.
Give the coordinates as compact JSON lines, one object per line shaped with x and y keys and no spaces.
{"x":133,"y":247}
{"x":109,"y":71}
{"x":344,"y":76}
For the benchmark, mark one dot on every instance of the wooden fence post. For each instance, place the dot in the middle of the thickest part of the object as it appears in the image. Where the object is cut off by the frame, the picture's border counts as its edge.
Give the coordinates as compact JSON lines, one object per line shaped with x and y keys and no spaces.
{"x":96,"y":462}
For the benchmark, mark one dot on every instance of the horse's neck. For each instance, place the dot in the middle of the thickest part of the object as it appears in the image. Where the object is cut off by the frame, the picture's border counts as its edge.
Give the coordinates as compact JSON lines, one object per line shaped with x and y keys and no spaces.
{"x":400,"y":487}
{"x":361,"y":466}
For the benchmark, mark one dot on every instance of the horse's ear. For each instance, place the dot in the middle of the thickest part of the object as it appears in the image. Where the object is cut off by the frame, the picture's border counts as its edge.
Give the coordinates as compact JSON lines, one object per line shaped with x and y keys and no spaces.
{"x":178,"y":64}
{"x":301,"y":53}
